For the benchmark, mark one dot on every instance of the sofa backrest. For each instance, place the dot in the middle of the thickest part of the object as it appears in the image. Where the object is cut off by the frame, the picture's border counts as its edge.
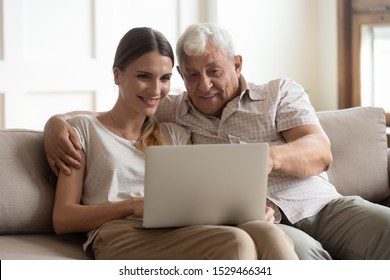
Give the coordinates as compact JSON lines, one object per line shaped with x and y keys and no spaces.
{"x":27,"y":184}
{"x":359,"y":147}
{"x":26,"y":194}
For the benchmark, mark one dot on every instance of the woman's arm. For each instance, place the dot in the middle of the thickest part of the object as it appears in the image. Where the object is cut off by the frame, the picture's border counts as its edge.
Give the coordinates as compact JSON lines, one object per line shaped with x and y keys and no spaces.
{"x":70,"y":216}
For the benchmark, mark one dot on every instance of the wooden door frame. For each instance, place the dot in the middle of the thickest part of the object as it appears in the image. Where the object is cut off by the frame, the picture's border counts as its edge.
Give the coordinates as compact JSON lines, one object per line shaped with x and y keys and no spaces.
{"x":351,"y":16}
{"x":344,"y":23}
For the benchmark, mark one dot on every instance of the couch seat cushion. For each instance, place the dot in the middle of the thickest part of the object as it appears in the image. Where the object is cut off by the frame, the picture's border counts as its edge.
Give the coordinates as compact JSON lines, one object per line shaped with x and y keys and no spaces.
{"x":42,"y":247}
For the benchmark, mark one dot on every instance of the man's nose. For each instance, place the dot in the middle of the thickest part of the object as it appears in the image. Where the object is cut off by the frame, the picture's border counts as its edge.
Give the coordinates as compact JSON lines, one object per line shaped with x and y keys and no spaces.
{"x":205,"y":83}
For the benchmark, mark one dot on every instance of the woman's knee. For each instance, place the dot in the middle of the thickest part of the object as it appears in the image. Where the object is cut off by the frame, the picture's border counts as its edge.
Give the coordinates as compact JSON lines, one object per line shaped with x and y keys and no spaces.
{"x":271,"y":242}
{"x":235,"y":243}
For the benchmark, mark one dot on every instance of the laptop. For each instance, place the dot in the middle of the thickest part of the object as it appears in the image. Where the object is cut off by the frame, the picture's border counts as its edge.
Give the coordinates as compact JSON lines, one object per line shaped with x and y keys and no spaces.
{"x":214,"y":184}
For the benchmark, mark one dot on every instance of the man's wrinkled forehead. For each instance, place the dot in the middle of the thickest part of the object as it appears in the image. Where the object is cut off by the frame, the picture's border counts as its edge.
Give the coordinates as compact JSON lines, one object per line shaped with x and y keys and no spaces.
{"x":211,"y":57}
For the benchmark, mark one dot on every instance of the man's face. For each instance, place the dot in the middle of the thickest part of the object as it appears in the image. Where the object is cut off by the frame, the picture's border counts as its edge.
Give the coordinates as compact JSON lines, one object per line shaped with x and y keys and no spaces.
{"x":211,"y":80}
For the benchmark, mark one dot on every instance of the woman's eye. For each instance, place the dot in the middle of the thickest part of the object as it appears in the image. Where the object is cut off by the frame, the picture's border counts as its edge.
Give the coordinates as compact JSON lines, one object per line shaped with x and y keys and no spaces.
{"x":166,"y":78}
{"x":143,"y":76}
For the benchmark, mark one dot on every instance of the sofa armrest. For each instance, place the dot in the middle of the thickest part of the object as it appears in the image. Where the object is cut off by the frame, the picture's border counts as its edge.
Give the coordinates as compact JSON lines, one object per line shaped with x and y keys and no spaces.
{"x":387,"y":201}
{"x":359,"y":147}
{"x":388,"y":163}
{"x":27,"y":193}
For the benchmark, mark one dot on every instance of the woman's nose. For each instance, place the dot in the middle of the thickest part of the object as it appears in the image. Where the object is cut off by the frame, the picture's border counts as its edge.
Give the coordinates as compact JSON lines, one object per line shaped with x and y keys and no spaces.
{"x":155,"y":87}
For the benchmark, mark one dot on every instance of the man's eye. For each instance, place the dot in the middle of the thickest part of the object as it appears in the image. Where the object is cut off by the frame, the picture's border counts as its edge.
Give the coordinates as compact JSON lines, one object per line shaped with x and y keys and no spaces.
{"x":215,"y":72}
{"x":193,"y":76}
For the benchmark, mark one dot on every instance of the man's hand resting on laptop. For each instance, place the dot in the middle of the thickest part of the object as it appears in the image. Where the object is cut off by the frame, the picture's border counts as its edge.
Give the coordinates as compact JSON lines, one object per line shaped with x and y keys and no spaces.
{"x":269,"y":214}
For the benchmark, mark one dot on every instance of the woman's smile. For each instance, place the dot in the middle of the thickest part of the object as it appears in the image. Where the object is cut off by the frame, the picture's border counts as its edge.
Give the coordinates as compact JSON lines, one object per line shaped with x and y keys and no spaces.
{"x":151,"y":101}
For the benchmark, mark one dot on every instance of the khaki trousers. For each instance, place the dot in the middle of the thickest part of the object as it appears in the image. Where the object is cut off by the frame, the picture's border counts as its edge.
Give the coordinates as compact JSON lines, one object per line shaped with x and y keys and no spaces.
{"x":125,"y":239}
{"x":351,"y":228}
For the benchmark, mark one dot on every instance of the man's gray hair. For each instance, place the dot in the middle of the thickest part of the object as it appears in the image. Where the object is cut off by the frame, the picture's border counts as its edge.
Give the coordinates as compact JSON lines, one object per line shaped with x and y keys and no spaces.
{"x":194,"y":39}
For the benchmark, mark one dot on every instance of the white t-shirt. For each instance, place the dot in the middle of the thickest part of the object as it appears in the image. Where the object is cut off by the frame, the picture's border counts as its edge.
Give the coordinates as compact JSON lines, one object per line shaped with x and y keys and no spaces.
{"x":115,"y":166}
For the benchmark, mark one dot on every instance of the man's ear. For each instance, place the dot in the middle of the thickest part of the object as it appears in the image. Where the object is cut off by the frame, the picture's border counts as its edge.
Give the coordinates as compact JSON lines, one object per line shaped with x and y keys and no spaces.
{"x":116,"y":72}
{"x":179,"y":70}
{"x":238,"y":64}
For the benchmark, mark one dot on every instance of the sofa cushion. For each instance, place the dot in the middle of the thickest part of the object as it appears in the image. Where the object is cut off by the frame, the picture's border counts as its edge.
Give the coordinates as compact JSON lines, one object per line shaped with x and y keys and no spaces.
{"x":42,"y":247}
{"x":359,"y":147}
{"x":27,"y":196}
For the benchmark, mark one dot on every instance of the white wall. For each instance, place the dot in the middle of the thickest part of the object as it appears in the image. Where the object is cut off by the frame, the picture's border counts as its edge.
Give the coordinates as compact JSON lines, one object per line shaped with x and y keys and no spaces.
{"x":286,"y":38}
{"x":327,"y":93}
{"x":56,"y":55}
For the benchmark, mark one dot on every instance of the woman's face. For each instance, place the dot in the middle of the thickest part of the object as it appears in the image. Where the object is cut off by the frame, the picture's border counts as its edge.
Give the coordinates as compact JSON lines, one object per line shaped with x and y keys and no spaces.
{"x":144,"y":82}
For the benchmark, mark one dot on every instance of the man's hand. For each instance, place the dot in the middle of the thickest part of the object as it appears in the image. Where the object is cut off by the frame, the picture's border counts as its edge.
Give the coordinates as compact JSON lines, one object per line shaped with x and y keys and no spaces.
{"x":269,"y":214}
{"x":61,"y":145}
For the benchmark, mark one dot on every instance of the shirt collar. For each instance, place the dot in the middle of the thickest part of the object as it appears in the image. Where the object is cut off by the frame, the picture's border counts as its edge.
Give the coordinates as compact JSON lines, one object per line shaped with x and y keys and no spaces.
{"x":254,"y":95}
{"x":187,"y":104}
{"x":243,"y":87}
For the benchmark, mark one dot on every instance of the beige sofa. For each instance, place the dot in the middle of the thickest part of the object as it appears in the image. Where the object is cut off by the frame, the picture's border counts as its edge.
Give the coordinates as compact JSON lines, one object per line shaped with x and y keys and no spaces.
{"x":27,"y":186}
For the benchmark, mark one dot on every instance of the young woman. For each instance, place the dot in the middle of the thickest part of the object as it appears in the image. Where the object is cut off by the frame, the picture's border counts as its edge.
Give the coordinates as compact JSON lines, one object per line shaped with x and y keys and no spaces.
{"x":104,"y":197}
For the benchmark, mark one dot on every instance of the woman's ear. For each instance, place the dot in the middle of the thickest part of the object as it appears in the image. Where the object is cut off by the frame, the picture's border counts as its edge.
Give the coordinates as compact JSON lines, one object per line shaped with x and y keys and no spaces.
{"x":116,"y":72}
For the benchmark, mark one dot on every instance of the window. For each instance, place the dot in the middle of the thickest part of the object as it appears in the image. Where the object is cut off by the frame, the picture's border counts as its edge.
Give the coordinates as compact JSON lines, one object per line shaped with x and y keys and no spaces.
{"x":364,"y":54}
{"x":375,"y":70}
